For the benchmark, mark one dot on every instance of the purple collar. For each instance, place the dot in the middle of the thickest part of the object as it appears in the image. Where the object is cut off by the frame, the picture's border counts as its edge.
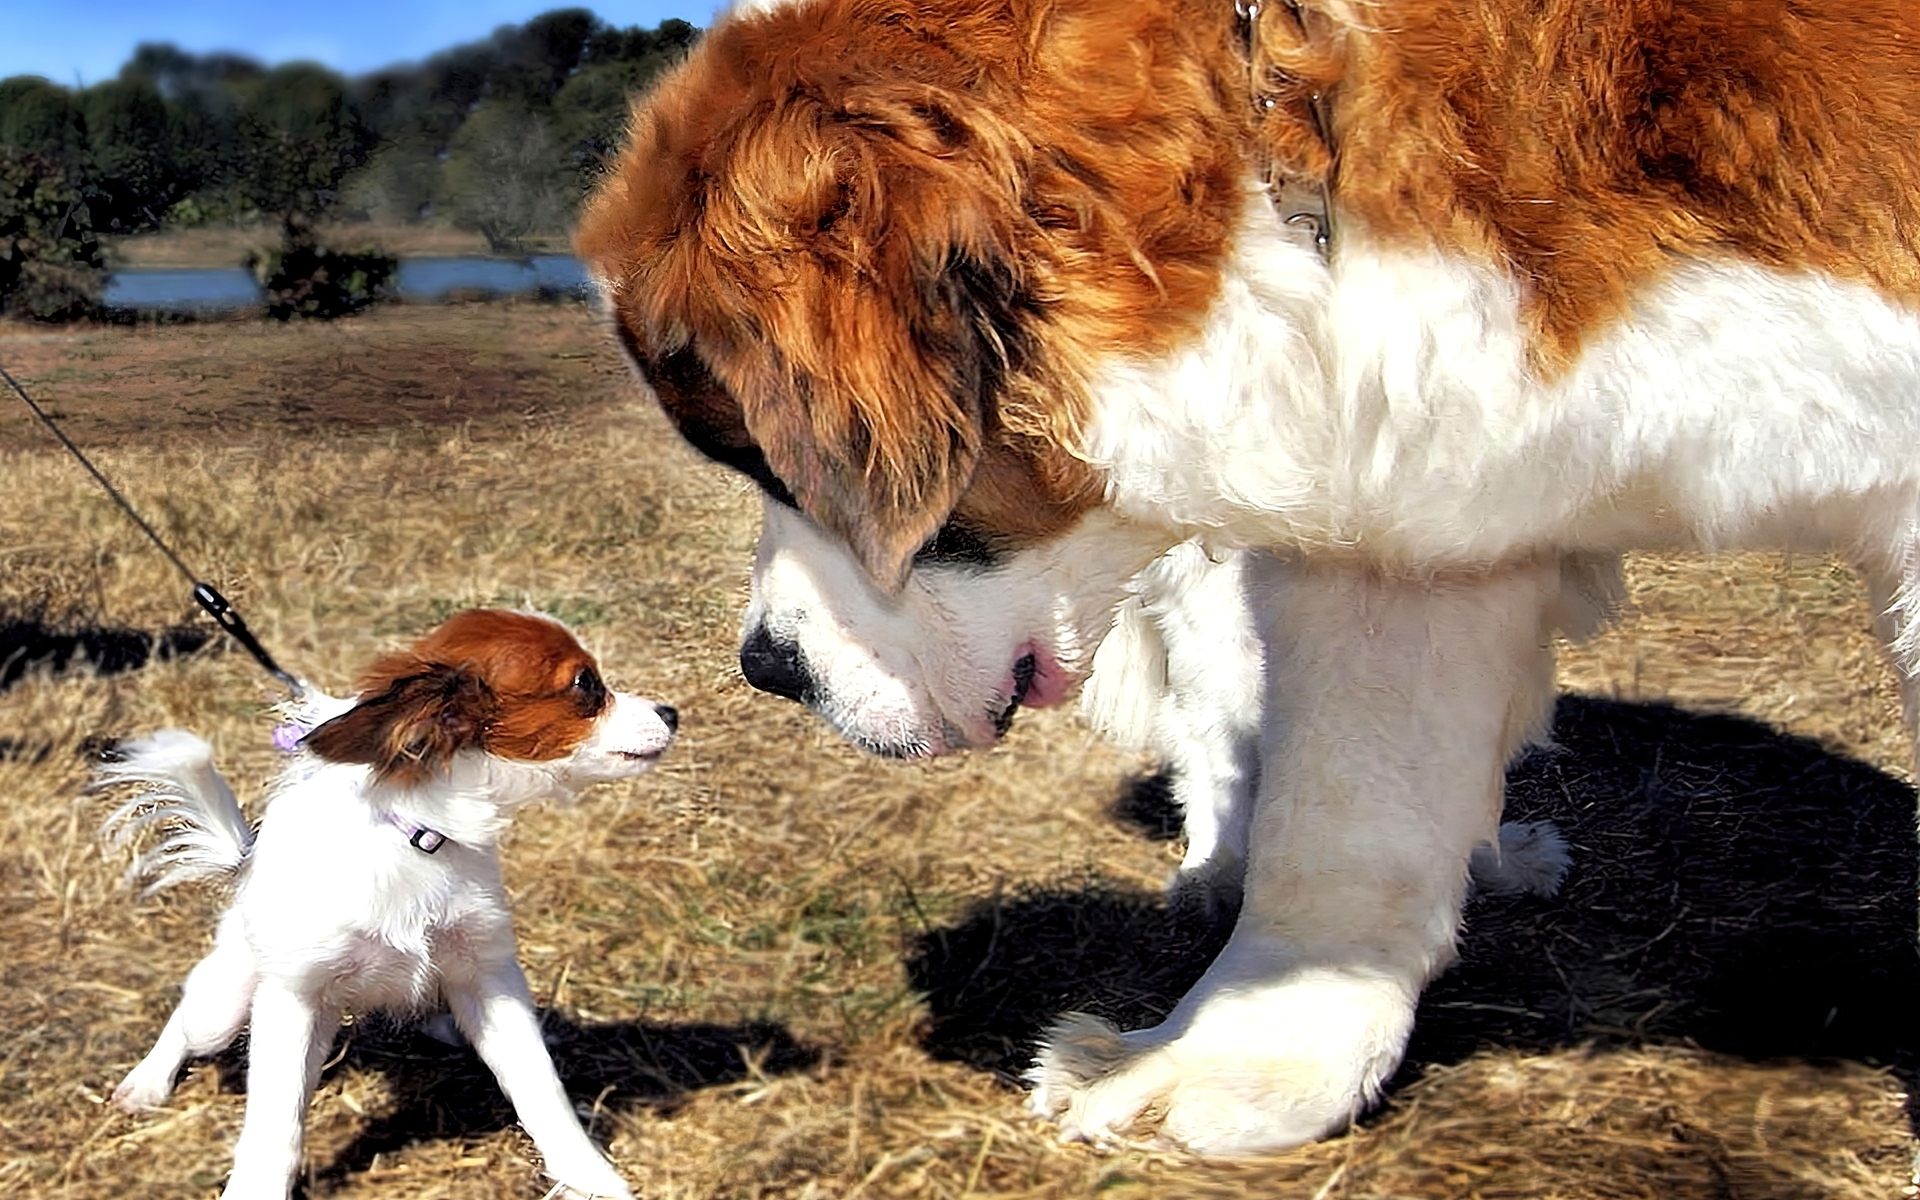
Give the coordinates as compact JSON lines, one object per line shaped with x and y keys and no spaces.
{"x":287,"y":737}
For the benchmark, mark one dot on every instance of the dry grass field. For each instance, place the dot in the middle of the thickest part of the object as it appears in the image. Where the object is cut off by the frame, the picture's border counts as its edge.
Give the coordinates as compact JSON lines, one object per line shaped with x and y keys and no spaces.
{"x":775,"y":968}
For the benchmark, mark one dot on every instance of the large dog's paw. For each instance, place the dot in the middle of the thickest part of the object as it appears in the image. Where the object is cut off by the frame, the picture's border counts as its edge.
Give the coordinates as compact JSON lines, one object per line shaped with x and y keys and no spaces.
{"x":1254,"y":1069}
{"x":1531,"y":860}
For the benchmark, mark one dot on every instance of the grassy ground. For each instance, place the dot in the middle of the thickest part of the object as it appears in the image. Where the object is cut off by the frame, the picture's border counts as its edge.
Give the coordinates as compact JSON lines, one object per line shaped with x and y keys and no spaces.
{"x":775,"y":968}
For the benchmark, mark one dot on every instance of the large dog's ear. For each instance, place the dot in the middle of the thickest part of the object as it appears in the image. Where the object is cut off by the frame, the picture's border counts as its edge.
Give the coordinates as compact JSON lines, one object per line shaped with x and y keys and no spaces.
{"x":409,"y":727}
{"x":903,"y":312}
{"x":819,"y":277}
{"x":879,"y":440}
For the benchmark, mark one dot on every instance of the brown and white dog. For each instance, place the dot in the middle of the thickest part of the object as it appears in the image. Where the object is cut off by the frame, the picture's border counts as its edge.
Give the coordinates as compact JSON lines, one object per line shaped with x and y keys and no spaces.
{"x":994,"y":300}
{"x":373,"y":880}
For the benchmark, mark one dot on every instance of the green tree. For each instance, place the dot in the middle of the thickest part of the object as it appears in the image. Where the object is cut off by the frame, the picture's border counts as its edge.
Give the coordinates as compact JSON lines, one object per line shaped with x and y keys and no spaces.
{"x":590,"y":112}
{"x":299,"y":135}
{"x":399,"y":182}
{"x":548,"y":49}
{"x":203,"y":94}
{"x":130,"y":139}
{"x":40,"y":118}
{"x":508,"y":176}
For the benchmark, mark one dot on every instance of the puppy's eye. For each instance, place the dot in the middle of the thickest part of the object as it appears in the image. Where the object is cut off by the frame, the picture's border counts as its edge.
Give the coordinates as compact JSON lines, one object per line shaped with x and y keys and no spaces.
{"x":589,"y":694}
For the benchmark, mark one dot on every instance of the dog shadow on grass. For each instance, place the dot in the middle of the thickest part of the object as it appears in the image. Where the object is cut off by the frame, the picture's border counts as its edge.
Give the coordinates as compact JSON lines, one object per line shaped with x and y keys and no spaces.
{"x":444,"y":1092}
{"x":30,"y":642}
{"x":1730,"y":886}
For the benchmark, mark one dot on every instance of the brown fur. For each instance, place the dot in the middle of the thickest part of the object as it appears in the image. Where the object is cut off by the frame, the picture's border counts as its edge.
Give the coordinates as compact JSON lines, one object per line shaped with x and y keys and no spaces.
{"x":891,"y":239}
{"x":895,"y":241}
{"x":486,"y":679}
{"x":1589,"y":148}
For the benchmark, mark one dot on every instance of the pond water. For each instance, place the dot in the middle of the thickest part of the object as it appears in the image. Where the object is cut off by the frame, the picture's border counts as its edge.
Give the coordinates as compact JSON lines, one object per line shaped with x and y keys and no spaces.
{"x":181,"y":289}
{"x":435,"y":278}
{"x":213,"y":289}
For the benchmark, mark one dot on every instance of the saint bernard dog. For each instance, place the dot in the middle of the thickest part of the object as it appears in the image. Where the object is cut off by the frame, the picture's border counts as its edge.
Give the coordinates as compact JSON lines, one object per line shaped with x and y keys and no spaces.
{"x":1000,"y":301}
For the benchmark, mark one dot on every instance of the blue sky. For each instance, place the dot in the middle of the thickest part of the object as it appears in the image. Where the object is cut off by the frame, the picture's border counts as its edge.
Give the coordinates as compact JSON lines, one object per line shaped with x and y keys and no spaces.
{"x":87,"y":40}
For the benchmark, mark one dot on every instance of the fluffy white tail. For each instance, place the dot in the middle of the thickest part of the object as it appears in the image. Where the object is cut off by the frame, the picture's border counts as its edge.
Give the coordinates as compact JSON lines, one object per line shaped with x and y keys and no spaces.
{"x":206,"y":834}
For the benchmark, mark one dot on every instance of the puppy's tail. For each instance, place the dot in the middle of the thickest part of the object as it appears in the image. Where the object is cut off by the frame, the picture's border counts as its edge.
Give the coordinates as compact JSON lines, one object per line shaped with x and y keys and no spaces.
{"x":206,"y":836}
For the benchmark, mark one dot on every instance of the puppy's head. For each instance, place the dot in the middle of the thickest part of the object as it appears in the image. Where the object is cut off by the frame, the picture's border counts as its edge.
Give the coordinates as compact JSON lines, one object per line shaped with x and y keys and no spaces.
{"x":512,"y":685}
{"x":872,"y":256}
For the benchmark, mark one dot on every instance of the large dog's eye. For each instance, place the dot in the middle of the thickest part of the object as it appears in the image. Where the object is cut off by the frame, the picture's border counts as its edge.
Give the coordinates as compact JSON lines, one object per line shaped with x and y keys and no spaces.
{"x":708,"y":417}
{"x":955,"y":543}
{"x":589,"y":693}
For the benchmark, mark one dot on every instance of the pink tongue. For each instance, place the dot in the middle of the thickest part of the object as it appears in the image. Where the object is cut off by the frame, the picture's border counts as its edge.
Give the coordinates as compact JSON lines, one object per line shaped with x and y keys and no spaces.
{"x":1049,"y":686}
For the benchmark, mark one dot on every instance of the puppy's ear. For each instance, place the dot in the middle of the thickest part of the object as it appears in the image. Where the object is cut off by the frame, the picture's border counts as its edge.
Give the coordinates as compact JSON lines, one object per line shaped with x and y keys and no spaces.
{"x":410,"y":729}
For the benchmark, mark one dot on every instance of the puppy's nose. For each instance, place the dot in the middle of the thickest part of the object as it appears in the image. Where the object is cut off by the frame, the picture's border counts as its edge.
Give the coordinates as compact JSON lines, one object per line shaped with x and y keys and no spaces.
{"x":669,"y":716}
{"x":775,"y":667}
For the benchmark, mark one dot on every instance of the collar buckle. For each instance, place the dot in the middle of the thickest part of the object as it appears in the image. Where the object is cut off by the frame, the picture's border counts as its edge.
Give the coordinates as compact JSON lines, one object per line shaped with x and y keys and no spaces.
{"x":427,"y":841}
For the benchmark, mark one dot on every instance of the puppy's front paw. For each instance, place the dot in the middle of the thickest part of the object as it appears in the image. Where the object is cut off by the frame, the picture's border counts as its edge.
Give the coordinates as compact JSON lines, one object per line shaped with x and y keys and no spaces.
{"x":1254,"y":1069}
{"x":142,"y":1091}
{"x":590,"y":1181}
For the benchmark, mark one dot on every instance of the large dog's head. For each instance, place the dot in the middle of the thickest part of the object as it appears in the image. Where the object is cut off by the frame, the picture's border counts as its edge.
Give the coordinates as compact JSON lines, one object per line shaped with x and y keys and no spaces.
{"x":872,"y":254}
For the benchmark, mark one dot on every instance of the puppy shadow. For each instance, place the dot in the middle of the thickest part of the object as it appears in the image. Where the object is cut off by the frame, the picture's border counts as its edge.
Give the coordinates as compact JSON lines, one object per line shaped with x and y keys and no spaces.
{"x":29,"y":642}
{"x":441,"y":1091}
{"x":1730,"y":887}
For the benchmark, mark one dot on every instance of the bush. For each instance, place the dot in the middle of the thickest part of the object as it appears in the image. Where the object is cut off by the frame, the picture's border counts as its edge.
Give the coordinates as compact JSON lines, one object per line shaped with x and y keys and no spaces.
{"x":50,"y":263}
{"x":304,"y":279}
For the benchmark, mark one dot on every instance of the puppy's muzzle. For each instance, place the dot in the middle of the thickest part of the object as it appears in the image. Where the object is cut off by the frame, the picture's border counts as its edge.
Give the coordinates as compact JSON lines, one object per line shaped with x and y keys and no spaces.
{"x":777,"y":667}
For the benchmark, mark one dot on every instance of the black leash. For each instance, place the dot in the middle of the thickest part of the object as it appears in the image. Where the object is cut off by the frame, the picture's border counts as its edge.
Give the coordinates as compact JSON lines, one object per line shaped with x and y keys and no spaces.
{"x":204,"y":594}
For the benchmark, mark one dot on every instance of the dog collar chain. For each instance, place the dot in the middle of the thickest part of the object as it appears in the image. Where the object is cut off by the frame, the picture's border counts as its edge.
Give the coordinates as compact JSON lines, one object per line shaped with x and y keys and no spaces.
{"x":420,"y":837}
{"x":1300,"y":205}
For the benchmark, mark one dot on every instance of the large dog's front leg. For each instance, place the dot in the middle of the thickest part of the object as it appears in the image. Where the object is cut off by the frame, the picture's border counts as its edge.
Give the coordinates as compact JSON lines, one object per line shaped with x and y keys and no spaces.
{"x":1209,"y":730}
{"x":1392,"y":709}
{"x":1180,"y":674}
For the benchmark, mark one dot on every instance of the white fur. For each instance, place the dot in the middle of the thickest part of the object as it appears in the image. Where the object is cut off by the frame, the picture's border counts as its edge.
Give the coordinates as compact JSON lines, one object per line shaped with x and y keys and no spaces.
{"x":1181,"y":674}
{"x":1392,"y":707}
{"x":1530,"y":859}
{"x":334,"y":911}
{"x":1428,"y":506}
{"x":205,"y":835}
{"x":1737,"y":407}
{"x":927,"y":671}
{"x":1384,"y":408}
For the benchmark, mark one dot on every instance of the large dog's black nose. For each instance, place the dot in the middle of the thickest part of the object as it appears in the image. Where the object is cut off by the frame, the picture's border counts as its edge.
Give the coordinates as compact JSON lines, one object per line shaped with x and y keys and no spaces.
{"x":775,"y":667}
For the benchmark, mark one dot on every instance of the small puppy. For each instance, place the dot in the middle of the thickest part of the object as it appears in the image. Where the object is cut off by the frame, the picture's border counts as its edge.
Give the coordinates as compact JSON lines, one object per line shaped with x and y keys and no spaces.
{"x":373,"y":880}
